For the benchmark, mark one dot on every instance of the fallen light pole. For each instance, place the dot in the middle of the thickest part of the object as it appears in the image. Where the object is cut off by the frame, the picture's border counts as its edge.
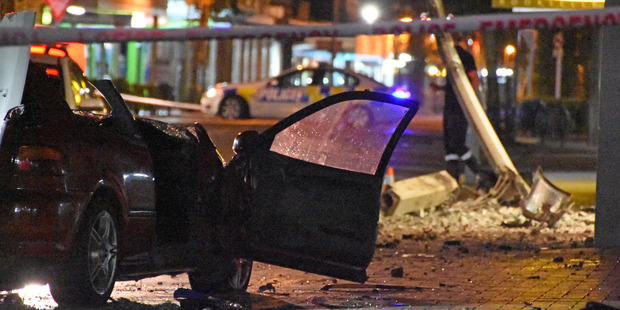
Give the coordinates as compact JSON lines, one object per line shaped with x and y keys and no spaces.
{"x":542,"y":203}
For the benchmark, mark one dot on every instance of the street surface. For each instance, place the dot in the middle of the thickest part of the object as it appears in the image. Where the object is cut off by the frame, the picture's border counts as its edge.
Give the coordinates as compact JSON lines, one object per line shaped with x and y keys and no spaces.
{"x":460,"y":257}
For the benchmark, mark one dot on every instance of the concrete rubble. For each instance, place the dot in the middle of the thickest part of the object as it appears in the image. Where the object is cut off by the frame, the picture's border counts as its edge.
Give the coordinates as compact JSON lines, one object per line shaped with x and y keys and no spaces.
{"x":468,"y":215}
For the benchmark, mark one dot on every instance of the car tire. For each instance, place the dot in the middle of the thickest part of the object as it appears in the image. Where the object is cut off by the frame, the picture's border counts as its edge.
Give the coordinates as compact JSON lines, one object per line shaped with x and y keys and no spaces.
{"x":86,"y":278}
{"x":234,"y":107}
{"x":222,"y":276}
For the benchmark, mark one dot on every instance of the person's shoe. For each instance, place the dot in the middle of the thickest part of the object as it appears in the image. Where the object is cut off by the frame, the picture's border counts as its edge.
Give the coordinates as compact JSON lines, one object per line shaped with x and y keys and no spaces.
{"x":485,"y":180}
{"x":455,"y":169}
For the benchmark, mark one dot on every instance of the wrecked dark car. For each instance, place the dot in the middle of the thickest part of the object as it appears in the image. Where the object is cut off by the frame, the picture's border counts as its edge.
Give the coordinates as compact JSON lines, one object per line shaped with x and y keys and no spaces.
{"x":92,"y":194}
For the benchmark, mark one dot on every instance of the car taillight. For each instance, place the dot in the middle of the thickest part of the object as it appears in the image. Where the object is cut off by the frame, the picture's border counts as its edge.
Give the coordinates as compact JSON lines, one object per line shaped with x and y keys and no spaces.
{"x":52,"y":72}
{"x":43,"y":161}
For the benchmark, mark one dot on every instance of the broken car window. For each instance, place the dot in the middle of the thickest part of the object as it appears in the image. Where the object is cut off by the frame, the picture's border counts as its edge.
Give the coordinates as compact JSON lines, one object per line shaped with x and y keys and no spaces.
{"x":350,"y":135}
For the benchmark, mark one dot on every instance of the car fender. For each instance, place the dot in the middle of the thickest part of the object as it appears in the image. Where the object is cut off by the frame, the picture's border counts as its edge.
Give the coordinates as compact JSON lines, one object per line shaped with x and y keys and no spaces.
{"x":82,"y":201}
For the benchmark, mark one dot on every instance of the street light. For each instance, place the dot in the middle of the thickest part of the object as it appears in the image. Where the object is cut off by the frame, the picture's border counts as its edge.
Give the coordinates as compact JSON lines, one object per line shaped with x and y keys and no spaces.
{"x":509,"y":53}
{"x":370,"y":13}
{"x":76,"y":10}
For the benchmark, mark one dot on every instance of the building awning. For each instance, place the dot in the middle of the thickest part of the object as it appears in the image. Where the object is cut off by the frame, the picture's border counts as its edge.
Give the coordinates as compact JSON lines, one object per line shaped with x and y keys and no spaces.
{"x":550,"y":4}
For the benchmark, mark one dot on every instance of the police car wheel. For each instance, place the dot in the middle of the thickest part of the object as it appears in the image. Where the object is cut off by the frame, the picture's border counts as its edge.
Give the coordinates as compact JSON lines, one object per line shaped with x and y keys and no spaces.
{"x":234,"y":107}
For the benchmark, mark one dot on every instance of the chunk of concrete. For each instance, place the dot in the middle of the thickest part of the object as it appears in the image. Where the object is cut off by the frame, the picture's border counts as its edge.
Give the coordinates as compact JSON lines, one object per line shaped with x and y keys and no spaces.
{"x":418,"y":194}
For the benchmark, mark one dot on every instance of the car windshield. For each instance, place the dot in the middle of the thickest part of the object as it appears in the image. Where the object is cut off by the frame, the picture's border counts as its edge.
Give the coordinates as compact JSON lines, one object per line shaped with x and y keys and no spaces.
{"x":350,"y":135}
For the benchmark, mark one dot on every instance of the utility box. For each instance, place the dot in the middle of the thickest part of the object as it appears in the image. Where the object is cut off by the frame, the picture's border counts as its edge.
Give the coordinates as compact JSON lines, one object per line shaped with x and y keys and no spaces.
{"x":417,"y":194}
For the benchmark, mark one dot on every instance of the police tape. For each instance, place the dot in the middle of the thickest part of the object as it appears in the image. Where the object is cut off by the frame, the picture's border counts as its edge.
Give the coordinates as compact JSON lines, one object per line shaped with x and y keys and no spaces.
{"x":469,"y":23}
{"x":161,"y":102}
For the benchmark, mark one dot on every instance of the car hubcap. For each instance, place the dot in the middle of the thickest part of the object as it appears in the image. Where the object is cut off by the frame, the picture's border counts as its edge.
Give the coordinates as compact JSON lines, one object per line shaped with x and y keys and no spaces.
{"x":241,"y":275}
{"x":102,"y":249}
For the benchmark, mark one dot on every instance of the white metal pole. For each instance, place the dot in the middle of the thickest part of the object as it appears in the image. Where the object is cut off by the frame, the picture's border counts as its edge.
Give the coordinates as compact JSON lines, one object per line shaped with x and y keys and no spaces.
{"x":471,"y":105}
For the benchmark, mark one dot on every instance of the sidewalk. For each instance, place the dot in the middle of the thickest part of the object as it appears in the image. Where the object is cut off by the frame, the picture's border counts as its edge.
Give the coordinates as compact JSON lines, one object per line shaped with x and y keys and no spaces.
{"x":446,"y":278}
{"x":499,"y":279}
{"x":570,"y":166}
{"x":549,"y":279}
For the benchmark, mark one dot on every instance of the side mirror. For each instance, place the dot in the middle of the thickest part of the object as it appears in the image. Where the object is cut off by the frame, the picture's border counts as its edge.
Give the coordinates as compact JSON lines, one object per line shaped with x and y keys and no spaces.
{"x":243,"y":140}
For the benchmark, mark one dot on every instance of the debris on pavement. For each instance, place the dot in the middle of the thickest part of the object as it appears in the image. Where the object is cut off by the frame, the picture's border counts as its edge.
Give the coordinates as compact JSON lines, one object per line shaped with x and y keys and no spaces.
{"x":470,"y":216}
{"x":267,"y":288}
{"x":361,"y":286}
{"x":545,"y":203}
{"x":190,"y":299}
{"x":418,"y":194}
{"x":398,"y":272}
{"x":592,"y":305}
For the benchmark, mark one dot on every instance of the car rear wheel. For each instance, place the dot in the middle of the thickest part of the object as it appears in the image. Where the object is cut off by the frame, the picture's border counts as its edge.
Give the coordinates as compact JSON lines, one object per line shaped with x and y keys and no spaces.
{"x":87,"y":277}
{"x":234,"y":107}
{"x":222,"y":276}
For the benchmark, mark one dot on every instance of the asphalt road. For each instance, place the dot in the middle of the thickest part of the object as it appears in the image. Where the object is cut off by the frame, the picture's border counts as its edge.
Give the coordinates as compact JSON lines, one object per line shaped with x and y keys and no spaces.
{"x":420,"y":150}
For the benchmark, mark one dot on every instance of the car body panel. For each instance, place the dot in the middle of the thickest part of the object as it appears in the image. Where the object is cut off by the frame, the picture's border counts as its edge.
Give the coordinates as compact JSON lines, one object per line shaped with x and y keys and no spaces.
{"x":315,"y":182}
{"x":293,"y":90}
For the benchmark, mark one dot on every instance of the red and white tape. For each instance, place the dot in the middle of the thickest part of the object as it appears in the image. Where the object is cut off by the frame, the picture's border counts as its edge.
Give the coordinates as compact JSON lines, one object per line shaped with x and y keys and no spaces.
{"x":507,"y":21}
{"x":162,"y":103}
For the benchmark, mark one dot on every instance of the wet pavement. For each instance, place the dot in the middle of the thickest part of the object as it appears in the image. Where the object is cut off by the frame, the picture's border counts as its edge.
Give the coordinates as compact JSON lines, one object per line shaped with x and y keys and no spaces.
{"x":443,"y":261}
{"x":549,"y":279}
{"x":399,"y":279}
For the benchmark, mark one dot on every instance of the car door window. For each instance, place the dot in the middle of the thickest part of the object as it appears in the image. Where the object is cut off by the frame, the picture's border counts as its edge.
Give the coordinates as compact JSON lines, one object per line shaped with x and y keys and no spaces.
{"x":321,"y":77}
{"x":350,"y":135}
{"x":340,"y":79}
{"x":300,"y":78}
{"x":85,"y":96}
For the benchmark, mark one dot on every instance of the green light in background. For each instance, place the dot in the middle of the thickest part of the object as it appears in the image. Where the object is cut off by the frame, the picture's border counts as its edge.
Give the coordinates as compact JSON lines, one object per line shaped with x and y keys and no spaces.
{"x":133,"y":62}
{"x":46,"y":16}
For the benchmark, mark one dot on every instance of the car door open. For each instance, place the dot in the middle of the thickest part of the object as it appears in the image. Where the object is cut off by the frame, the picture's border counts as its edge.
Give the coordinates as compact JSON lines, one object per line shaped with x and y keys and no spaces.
{"x":315,"y":180}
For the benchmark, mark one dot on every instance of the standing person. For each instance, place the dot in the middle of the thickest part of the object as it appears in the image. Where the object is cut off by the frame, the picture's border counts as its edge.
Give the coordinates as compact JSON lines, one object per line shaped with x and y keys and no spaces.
{"x":455,"y":124}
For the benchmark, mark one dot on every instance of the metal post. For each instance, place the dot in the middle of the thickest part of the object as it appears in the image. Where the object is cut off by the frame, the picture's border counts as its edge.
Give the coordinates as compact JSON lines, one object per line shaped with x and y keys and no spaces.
{"x":606,"y":228}
{"x":471,"y":105}
{"x":558,"y":53}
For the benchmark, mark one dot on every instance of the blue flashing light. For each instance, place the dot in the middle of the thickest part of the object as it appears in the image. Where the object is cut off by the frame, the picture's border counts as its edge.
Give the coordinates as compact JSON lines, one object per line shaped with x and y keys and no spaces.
{"x":402,"y":94}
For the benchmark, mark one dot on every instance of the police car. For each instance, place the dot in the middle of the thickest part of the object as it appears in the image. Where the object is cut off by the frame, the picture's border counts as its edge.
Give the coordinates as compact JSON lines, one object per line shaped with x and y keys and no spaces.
{"x":285,"y":94}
